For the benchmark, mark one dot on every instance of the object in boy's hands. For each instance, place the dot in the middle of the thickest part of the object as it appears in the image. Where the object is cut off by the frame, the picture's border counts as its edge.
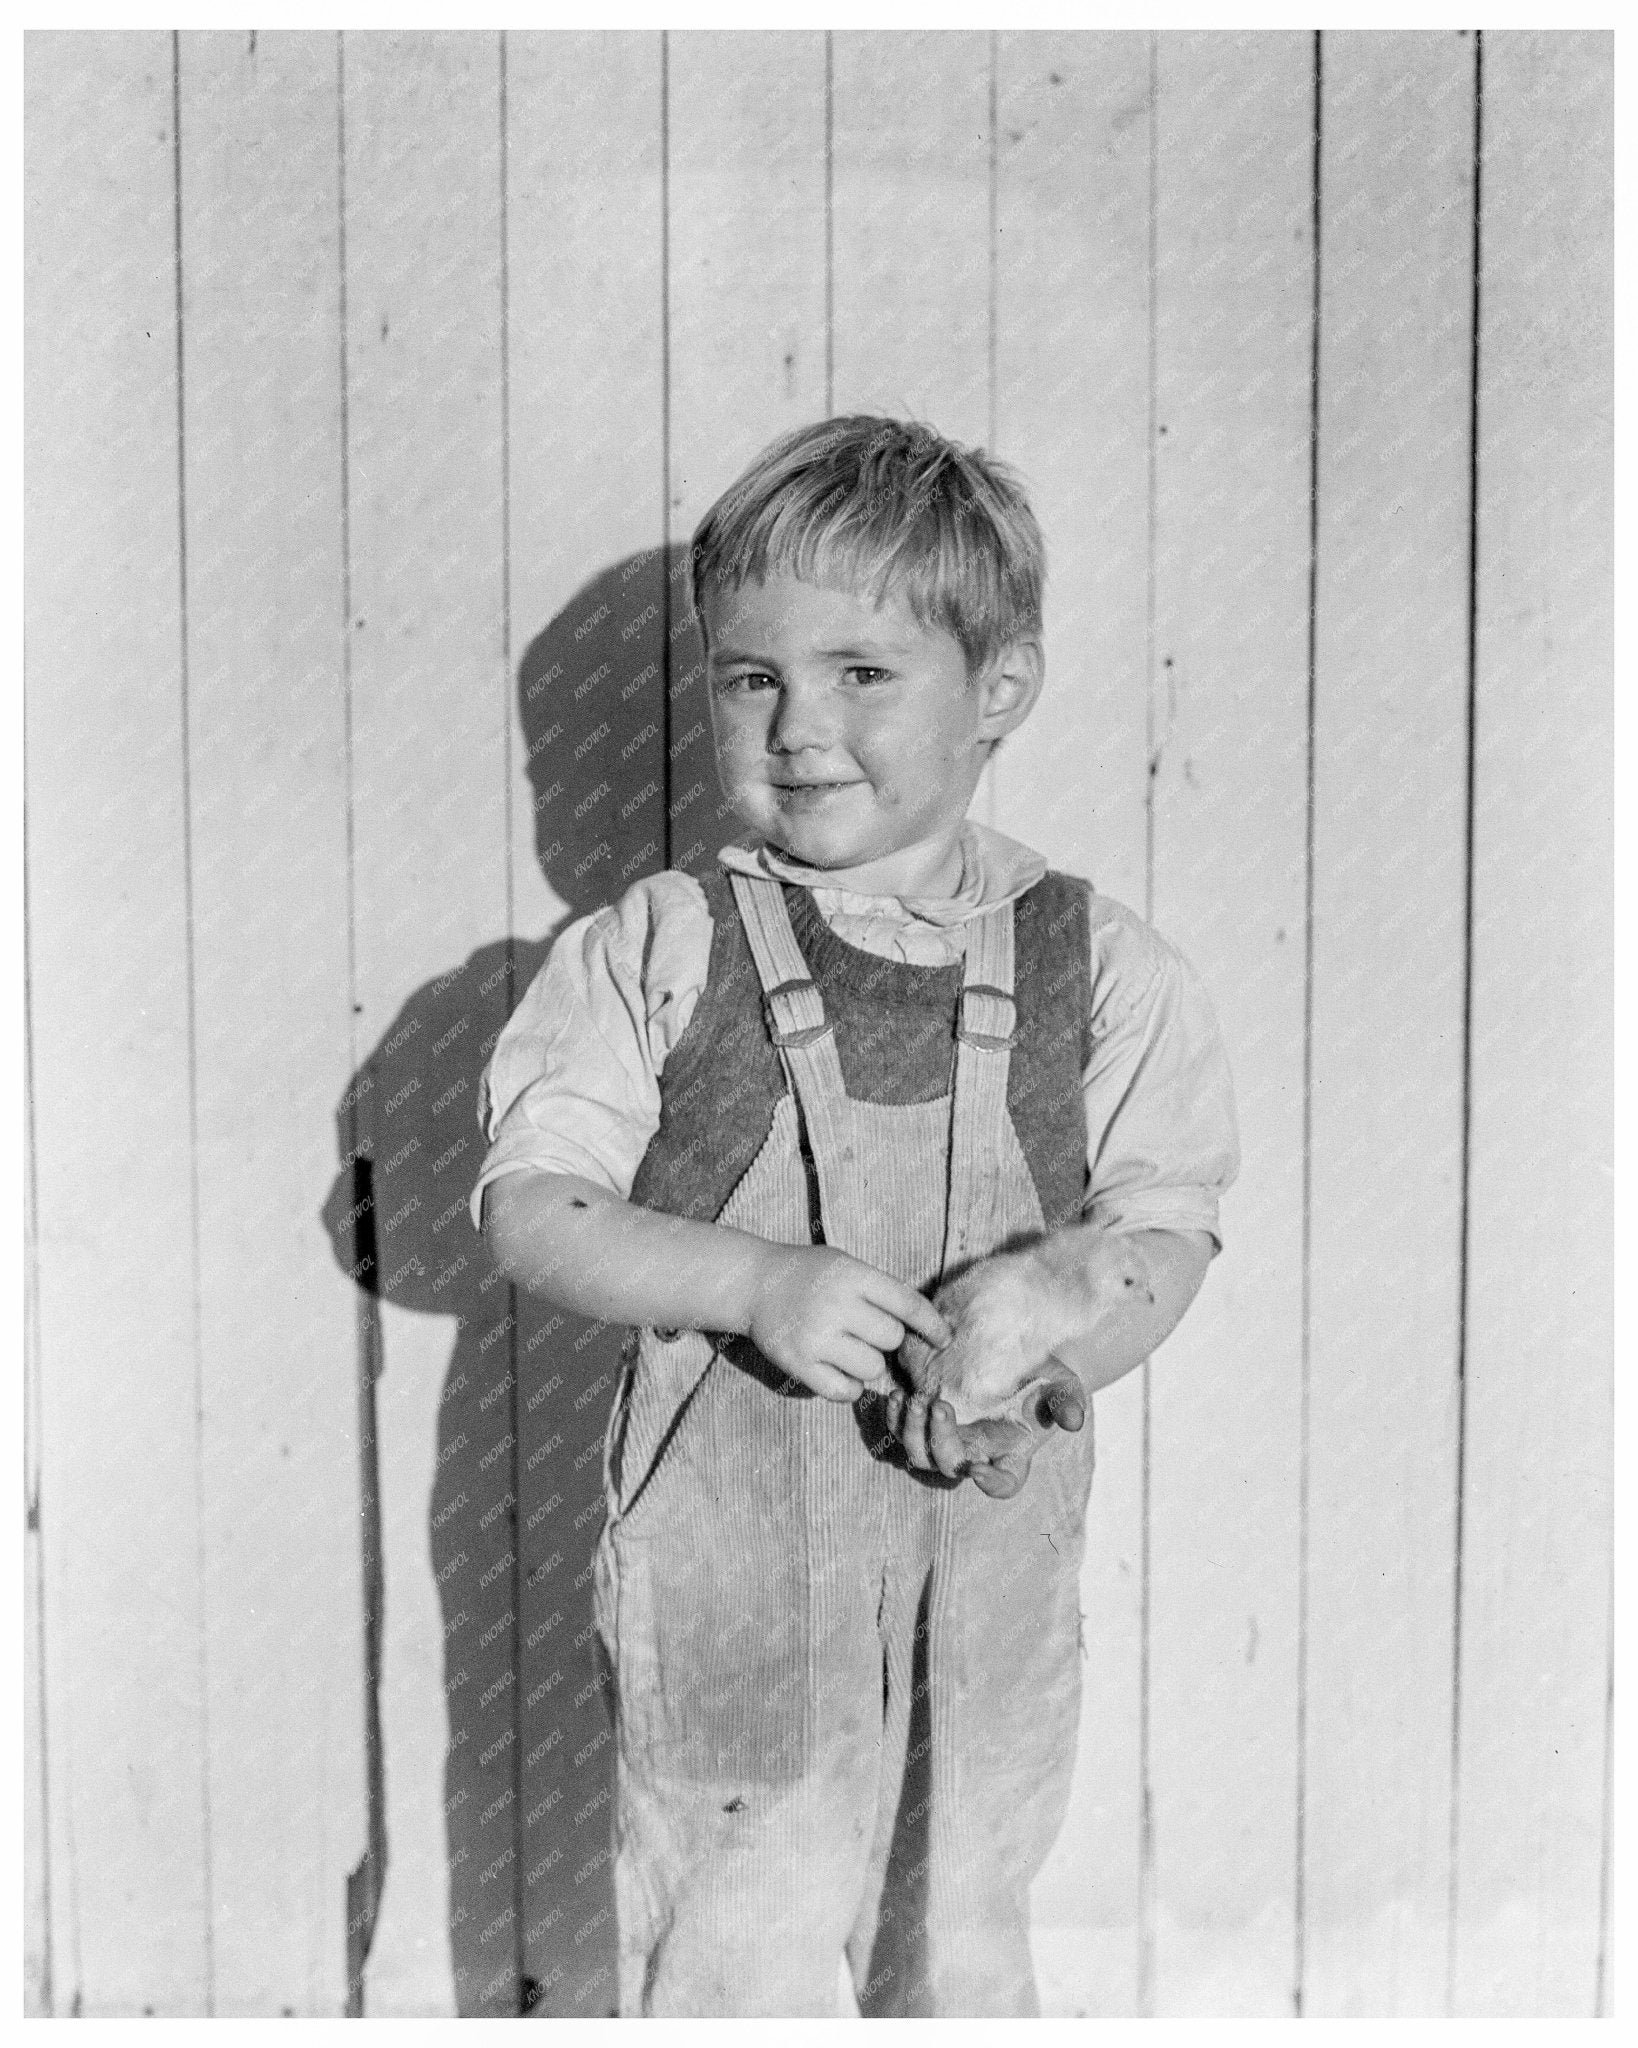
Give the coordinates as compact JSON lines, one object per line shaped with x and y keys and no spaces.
{"x":950,"y":1425}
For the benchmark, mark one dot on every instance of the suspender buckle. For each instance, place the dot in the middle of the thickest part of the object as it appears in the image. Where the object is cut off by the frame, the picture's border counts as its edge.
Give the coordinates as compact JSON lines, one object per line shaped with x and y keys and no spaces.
{"x":987,"y":1017}
{"x":795,"y":1012}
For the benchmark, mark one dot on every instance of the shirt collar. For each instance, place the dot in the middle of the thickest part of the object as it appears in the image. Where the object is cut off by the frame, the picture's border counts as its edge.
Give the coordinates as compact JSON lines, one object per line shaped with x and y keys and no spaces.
{"x":994,"y":870}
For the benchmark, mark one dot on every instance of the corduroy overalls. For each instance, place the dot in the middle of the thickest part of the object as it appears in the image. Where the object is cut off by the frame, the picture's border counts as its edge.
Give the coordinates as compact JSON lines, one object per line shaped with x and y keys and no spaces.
{"x":846,"y":1693}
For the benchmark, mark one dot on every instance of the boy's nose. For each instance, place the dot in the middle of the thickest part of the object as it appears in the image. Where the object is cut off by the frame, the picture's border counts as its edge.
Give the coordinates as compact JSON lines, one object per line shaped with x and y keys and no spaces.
{"x":802,"y":719}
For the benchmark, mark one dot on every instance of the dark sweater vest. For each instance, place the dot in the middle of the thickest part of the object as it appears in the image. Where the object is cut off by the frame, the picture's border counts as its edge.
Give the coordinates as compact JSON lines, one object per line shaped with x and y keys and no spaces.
{"x":895,"y":1035}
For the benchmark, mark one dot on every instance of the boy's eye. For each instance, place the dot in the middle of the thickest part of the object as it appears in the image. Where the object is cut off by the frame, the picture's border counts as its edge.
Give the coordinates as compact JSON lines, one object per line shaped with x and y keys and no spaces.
{"x":745,"y":679}
{"x":859,"y":673}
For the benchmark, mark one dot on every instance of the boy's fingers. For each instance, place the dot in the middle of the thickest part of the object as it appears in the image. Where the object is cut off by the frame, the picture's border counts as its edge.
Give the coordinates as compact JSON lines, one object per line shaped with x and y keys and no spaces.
{"x":833,"y":1384}
{"x":1067,"y":1410}
{"x":1006,"y":1462}
{"x":944,"y":1442}
{"x":877,"y":1327}
{"x":983,"y":1442}
{"x":1062,"y":1398}
{"x":913,"y":1433}
{"x":915,"y":1311}
{"x":999,"y":1481}
{"x":861,"y":1362}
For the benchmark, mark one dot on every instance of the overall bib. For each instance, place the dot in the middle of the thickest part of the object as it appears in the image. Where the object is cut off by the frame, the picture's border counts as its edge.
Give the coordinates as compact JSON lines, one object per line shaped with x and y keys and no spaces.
{"x":847,"y":1693}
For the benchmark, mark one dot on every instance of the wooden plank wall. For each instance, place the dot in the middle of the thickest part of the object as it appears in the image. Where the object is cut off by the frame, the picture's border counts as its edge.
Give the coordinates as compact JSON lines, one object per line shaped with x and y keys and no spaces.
{"x":1535,"y":1618}
{"x":268,"y":802}
{"x":121,"y":1481}
{"x":370,"y":379}
{"x":1072,"y":412}
{"x":1386,"y":1067}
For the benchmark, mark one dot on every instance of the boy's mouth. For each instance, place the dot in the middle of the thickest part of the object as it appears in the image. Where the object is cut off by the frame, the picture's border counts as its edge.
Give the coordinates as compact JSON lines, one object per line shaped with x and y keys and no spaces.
{"x":810,"y":792}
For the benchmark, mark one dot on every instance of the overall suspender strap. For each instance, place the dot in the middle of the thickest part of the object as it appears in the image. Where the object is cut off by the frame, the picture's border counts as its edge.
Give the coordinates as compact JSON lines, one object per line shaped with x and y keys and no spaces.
{"x":806,"y":1043}
{"x":986,"y":1031}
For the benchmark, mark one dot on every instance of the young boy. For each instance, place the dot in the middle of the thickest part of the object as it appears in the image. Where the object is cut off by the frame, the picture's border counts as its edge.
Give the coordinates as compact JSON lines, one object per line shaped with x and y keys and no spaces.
{"x":762,"y":1114}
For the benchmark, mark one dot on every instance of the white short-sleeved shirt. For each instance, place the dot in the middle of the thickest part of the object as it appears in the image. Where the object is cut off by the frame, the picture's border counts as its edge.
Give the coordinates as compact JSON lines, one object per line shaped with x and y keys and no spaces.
{"x":573,"y":1085}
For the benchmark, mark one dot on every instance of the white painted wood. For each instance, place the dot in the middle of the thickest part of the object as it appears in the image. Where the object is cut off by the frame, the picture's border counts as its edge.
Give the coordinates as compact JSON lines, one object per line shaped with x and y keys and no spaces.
{"x":1233,"y":294}
{"x":284,"y":1601}
{"x":910,"y":228}
{"x":1072,"y":378}
{"x":119,"y":1474}
{"x":430,"y":697}
{"x":747,"y":252}
{"x":1389,"y":909}
{"x":37,"y":1958}
{"x":585,"y":236}
{"x":585,"y":233}
{"x":1536,"y":1530}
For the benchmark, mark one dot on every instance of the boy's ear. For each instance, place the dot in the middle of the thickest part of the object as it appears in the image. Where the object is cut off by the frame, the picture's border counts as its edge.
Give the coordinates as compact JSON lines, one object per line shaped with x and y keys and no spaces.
{"x":1010,"y":686}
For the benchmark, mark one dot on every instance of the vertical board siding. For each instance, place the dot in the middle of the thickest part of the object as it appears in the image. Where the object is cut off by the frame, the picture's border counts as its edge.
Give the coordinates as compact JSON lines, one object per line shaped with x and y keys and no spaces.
{"x":111,"y":1021}
{"x":1233,"y":305}
{"x":746,"y":227}
{"x":909,"y":228}
{"x":1537,"y":1497}
{"x":283,"y":1629}
{"x":37,"y":1956}
{"x":746,"y":342}
{"x":363,"y":404}
{"x":587,"y":496}
{"x":1385,"y":1177}
{"x":1072,"y":415}
{"x":430,"y":715}
{"x":1073,"y":119}
{"x":585,"y":239}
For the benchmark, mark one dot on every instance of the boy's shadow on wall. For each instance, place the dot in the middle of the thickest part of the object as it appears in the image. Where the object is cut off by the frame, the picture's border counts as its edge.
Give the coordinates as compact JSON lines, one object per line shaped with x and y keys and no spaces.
{"x":516,"y":1504}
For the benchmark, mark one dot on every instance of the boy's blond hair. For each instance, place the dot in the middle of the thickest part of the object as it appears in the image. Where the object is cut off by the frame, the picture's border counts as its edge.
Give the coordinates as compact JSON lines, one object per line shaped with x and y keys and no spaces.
{"x":873,"y":504}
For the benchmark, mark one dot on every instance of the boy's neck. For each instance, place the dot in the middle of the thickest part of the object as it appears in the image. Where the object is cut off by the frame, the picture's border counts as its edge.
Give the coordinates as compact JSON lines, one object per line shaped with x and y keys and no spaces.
{"x":931,"y":870}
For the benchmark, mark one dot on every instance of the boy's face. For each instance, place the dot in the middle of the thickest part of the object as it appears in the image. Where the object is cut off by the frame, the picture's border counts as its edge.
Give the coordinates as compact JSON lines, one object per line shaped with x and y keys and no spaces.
{"x":849,"y":734}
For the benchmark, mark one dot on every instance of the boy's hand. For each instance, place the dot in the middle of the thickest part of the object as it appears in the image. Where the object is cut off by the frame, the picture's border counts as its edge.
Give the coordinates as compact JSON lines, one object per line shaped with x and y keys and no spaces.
{"x":995,"y":1452}
{"x":984,"y":1404}
{"x":830,"y":1320}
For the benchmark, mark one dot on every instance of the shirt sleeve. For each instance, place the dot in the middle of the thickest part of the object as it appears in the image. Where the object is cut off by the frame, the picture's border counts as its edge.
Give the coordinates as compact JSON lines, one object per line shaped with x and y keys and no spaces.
{"x":573,"y":1085}
{"x":1162,"y":1139}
